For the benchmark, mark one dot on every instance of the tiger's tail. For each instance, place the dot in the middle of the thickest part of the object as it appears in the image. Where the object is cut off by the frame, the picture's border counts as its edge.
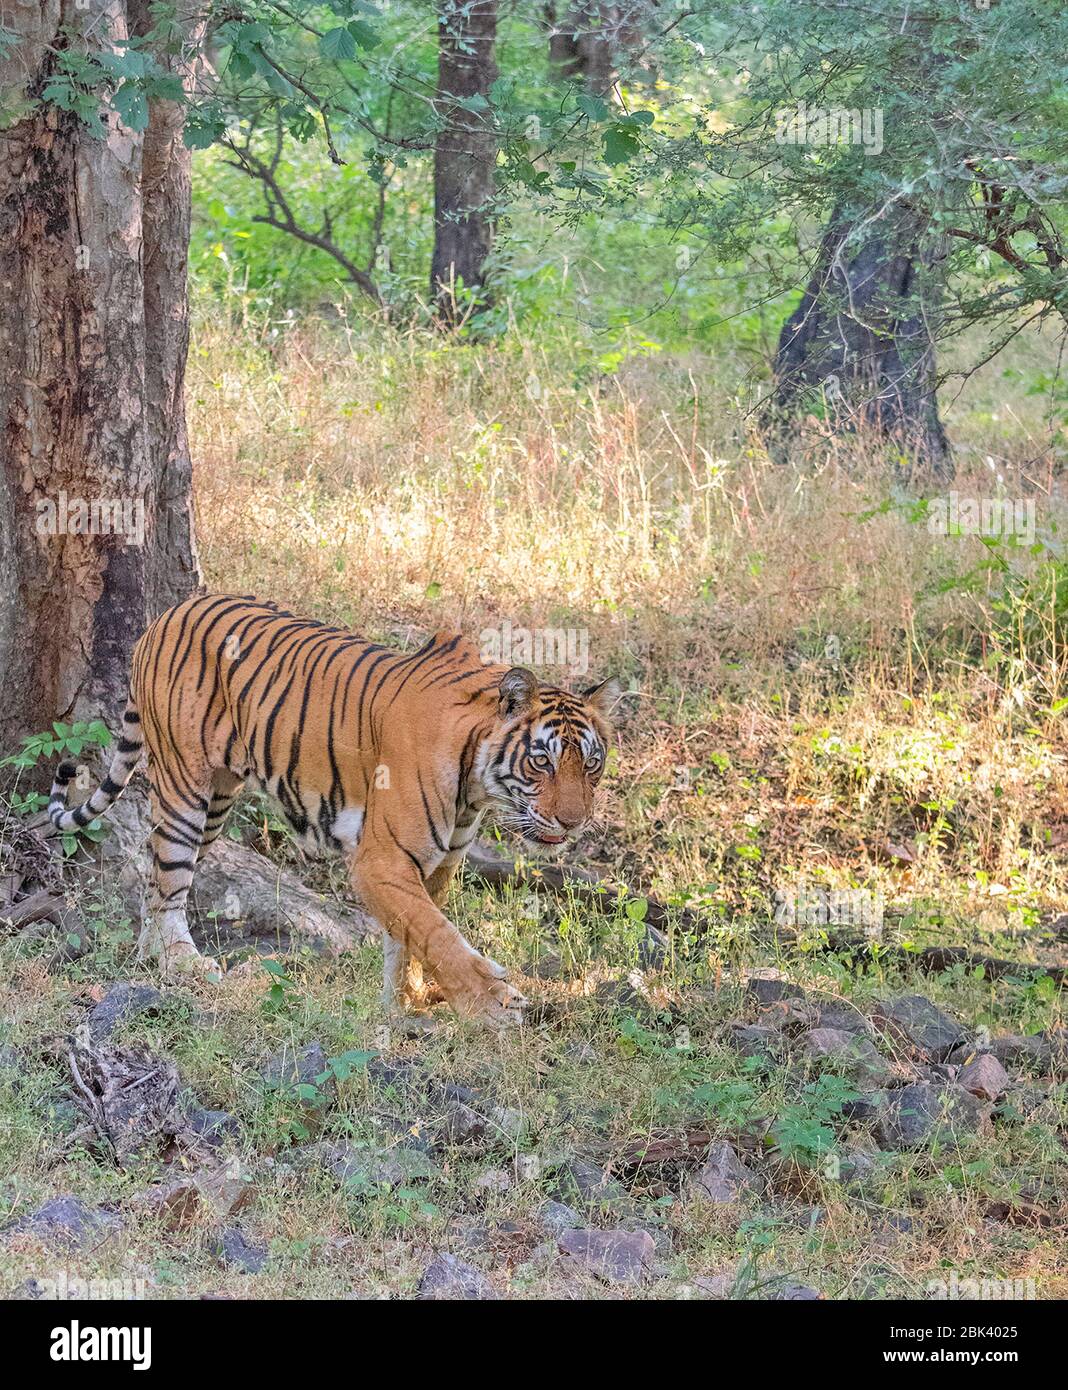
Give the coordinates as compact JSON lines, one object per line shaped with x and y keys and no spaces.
{"x":127,"y":756}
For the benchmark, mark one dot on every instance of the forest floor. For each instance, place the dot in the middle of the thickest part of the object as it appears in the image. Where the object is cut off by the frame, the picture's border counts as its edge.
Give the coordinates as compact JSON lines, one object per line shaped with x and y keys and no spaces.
{"x":843,"y":744}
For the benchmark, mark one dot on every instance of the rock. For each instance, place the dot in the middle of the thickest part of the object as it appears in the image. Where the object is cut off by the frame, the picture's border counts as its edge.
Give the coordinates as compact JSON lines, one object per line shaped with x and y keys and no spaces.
{"x":796,"y":1293}
{"x":581,"y":1052}
{"x":368,"y":1167}
{"x":122,"y":1000}
{"x":175,"y":1204}
{"x":528,"y":1167}
{"x":587,"y":1185}
{"x":857,"y":1166}
{"x":548,"y":966}
{"x":720,"y":1285}
{"x":846,"y":1017}
{"x":985,"y":1077}
{"x":1033,"y":1052}
{"x":852,"y":1053}
{"x":618,"y":1257}
{"x":462,"y":1125}
{"x":917,"y":1114}
{"x":771,"y":991}
{"x":1020,"y":1104}
{"x":215,"y":1128}
{"x":447,"y":1277}
{"x":67,"y":1221}
{"x":558,"y":1216}
{"x":225,"y":1189}
{"x":864,"y":1108}
{"x":493,"y":1181}
{"x":630,"y":997}
{"x":232,"y":1249}
{"x":724,"y":1177}
{"x":287,"y":1070}
{"x":921,"y":1023}
{"x":753,"y":1040}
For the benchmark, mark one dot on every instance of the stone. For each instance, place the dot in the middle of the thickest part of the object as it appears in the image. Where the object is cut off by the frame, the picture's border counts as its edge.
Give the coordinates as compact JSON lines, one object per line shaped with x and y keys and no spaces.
{"x":723,"y":1177}
{"x":447,"y":1277}
{"x":921,"y":1023}
{"x":301,"y":1068}
{"x":1021,"y":1104}
{"x":231,"y":1248}
{"x":617,"y":1257}
{"x":67,"y":1221}
{"x":174,"y":1204}
{"x":367,"y":1167}
{"x":462,"y":1125}
{"x":846,"y":1017}
{"x":916,"y":1114}
{"x":852,"y":1053}
{"x":215,"y":1128}
{"x":585,"y":1183}
{"x":796,"y":1293}
{"x":123,"y":1000}
{"x":753,"y":1040}
{"x":985,"y":1077}
{"x":558,"y":1216}
{"x":493,"y":1181}
{"x":1032,"y":1052}
{"x":770,"y":991}
{"x":225,"y":1189}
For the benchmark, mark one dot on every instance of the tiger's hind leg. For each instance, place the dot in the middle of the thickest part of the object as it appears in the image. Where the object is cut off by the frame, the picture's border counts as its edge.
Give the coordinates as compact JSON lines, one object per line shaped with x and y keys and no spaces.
{"x":179,"y":817}
{"x":225,"y":789}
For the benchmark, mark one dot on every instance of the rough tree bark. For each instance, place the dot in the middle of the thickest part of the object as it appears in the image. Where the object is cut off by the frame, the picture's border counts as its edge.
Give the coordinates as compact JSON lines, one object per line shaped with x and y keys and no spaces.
{"x":95,"y":477}
{"x":465,"y":153}
{"x":96,"y":531}
{"x":861,"y":338}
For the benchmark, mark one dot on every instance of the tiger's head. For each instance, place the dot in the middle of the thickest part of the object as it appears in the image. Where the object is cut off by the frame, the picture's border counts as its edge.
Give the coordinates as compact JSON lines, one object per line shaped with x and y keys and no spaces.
{"x":546,"y":755}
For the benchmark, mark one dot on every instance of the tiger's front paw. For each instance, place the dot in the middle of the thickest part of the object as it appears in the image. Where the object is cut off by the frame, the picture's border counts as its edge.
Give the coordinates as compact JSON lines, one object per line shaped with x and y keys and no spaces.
{"x":481,"y":991}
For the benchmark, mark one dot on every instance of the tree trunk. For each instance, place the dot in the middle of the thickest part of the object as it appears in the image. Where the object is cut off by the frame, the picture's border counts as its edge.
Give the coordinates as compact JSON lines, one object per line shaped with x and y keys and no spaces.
{"x":166,"y":197}
{"x":90,"y":385}
{"x":464,"y":157}
{"x":859,"y":345}
{"x":591,"y":38}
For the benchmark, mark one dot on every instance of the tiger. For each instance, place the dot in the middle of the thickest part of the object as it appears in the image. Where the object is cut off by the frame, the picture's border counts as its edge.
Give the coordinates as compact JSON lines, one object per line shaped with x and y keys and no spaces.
{"x":390,"y":759}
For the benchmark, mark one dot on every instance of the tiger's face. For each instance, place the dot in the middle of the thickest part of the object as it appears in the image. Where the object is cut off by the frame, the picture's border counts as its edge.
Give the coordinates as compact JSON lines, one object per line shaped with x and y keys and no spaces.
{"x":547,"y":755}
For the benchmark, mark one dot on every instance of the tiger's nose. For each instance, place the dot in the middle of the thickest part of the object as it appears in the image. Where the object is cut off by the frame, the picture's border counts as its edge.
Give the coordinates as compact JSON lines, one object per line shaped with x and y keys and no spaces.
{"x":569,"y":820}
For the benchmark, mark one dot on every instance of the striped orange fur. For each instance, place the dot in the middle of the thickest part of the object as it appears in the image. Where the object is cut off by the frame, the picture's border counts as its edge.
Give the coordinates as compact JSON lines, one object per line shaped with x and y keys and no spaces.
{"x":387,"y":758}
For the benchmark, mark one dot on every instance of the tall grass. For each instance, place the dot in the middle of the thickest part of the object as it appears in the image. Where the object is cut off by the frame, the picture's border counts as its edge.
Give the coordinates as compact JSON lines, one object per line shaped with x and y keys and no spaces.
{"x":864,"y":678}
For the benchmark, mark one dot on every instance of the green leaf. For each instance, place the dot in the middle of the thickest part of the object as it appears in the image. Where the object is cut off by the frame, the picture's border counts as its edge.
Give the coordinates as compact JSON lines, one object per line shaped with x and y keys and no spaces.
{"x":620,"y":144}
{"x":362,"y":32}
{"x":131,"y":104}
{"x":338,"y":43}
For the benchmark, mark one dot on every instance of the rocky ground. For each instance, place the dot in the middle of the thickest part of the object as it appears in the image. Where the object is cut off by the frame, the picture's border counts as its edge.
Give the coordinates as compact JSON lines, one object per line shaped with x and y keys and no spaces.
{"x":652,"y":1134}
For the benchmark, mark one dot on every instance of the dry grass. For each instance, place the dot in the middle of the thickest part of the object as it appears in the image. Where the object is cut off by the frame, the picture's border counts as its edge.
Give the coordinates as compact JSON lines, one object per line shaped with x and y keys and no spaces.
{"x":811,"y":704}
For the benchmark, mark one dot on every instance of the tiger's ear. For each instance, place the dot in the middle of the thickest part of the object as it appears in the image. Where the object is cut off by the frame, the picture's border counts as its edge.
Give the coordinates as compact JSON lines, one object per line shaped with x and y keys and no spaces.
{"x":603,"y":697}
{"x":518,"y":688}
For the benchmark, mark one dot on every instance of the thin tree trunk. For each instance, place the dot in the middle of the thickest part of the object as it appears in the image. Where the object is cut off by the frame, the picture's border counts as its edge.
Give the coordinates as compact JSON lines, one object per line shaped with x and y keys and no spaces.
{"x":465,"y":154}
{"x":859,"y":345}
{"x":590,"y":37}
{"x":173,"y":565}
